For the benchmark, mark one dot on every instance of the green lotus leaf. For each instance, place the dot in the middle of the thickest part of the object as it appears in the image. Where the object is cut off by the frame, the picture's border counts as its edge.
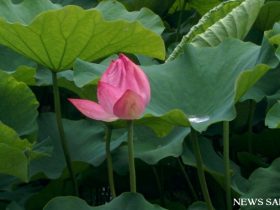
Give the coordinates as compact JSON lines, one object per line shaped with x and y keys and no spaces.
{"x":6,"y":55}
{"x":274,"y":37}
{"x":196,"y":85}
{"x":56,"y":38}
{"x":25,"y":11}
{"x":198,"y":98}
{"x":18,"y":107}
{"x":12,"y":153}
{"x":85,"y":142}
{"x":264,"y":184}
{"x":236,"y":23}
{"x":150,"y":148}
{"x":24,"y":74}
{"x":268,"y":85}
{"x":113,"y":10}
{"x":230,"y":19}
{"x":269,"y":14}
{"x":125,"y":201}
{"x":85,"y":73}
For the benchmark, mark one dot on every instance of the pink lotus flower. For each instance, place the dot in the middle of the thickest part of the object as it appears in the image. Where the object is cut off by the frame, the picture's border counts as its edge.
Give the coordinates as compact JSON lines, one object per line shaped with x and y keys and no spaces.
{"x":123,"y":92}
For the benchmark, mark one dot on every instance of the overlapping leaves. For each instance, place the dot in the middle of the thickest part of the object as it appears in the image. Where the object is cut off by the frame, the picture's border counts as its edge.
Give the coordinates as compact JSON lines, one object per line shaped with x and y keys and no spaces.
{"x":230,"y":19}
{"x":198,"y":98}
{"x":18,"y":112}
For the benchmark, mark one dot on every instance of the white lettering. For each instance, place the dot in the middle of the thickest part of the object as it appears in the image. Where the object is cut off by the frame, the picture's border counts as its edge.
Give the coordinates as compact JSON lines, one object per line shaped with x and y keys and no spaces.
{"x":268,"y":201}
{"x":252,"y":201}
{"x":236,"y":202}
{"x":275,"y":202}
{"x":256,"y":202}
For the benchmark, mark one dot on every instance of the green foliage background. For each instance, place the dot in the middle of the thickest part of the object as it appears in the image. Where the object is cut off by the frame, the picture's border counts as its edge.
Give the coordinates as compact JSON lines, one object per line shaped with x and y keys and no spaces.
{"x":207,"y":62}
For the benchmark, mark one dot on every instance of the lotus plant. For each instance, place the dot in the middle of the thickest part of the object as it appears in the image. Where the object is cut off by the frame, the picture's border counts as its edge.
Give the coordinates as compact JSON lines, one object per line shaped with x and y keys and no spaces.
{"x":123,"y":92}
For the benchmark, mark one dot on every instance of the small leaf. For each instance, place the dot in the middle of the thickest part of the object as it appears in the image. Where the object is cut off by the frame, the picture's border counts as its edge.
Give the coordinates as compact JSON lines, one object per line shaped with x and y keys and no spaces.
{"x":272,"y":119}
{"x":24,"y":74}
{"x":113,"y":10}
{"x":18,"y":107}
{"x":268,"y":85}
{"x":77,"y":33}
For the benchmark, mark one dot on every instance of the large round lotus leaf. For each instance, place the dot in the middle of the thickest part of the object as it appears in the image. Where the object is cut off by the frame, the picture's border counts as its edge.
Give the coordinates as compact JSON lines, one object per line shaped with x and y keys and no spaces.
{"x":85,"y":141}
{"x":18,"y":107}
{"x":126,"y":201}
{"x":56,"y":38}
{"x":264,"y":184}
{"x":205,"y":83}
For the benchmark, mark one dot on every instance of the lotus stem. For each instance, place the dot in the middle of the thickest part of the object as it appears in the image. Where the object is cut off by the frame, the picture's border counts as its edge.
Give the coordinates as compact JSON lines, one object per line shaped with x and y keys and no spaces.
{"x":188,"y":180}
{"x":227,"y":165}
{"x":200,"y":170}
{"x":131,"y":163}
{"x":110,"y":170}
{"x":63,"y":142}
{"x":159,"y":185}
